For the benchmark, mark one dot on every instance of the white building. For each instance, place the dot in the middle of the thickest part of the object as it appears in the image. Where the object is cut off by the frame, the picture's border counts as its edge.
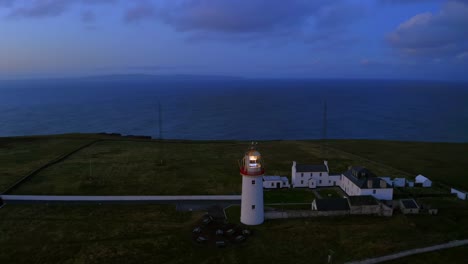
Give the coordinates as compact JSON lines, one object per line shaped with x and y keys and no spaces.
{"x":360,"y":181}
{"x":424,"y":181}
{"x":399,"y":182}
{"x":355,"y":181}
{"x":275,"y":182}
{"x":312,"y":176}
{"x":251,"y":169}
{"x":460,"y":194}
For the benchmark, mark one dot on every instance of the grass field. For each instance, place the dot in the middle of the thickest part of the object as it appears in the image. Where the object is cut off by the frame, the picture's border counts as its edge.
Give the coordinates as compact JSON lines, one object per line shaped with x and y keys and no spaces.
{"x":151,"y":233}
{"x":443,"y":162}
{"x":19,"y":156}
{"x":159,"y":234}
{"x":452,"y":255}
{"x":129,"y":167}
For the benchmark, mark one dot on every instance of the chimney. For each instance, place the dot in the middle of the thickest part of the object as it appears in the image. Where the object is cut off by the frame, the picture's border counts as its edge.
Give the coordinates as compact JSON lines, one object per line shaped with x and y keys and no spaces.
{"x":369,"y":183}
{"x":326,"y":165}
{"x":294,"y":163}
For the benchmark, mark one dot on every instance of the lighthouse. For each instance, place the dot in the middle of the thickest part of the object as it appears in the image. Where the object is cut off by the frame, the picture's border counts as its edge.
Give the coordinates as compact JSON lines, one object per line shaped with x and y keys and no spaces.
{"x":251,"y":169}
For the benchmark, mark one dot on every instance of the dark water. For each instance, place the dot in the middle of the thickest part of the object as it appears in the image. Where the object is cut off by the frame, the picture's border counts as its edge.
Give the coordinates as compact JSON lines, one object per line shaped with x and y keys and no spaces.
{"x":238,"y":109}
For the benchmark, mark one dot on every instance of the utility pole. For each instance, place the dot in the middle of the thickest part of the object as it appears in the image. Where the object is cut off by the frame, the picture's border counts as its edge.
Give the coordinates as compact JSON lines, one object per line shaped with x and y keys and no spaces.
{"x":324,"y":131}
{"x":160,"y":137}
{"x":90,"y":175}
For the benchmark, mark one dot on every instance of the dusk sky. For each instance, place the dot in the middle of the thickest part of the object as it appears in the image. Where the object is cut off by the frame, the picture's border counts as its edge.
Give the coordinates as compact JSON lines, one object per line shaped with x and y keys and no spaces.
{"x":396,"y":39}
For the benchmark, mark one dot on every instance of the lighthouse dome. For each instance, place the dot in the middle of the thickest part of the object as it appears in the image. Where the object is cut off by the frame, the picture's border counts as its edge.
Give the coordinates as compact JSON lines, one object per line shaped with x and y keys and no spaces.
{"x":253,"y":153}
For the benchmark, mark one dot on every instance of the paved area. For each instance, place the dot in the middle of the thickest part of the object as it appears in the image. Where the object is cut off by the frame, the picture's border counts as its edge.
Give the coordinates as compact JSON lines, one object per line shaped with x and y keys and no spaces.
{"x":406,"y":253}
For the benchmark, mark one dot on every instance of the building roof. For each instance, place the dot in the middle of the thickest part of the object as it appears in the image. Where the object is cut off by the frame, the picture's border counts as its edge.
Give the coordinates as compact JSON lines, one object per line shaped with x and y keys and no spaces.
{"x":362,"y":200}
{"x":275,"y":178}
{"x":409,"y":204}
{"x":421,"y":178}
{"x":272,"y":178}
{"x":311,"y":168}
{"x":361,"y":177}
{"x":332,"y":204}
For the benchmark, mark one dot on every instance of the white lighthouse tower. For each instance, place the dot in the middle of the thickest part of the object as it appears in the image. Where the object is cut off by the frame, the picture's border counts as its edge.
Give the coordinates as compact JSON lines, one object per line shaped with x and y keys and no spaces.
{"x":251,"y":169}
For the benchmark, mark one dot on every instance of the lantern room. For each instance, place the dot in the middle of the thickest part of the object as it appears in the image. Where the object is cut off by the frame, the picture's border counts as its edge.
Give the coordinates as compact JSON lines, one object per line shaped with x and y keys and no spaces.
{"x":251,"y":164}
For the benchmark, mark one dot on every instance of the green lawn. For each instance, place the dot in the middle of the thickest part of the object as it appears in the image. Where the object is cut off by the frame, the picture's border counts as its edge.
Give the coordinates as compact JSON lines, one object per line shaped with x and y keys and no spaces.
{"x":329,"y":193}
{"x":21,"y":155}
{"x":288,"y":196}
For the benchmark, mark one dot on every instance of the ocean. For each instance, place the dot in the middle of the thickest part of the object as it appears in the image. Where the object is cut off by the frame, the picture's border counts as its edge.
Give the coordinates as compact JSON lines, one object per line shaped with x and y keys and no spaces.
{"x":244,"y":109}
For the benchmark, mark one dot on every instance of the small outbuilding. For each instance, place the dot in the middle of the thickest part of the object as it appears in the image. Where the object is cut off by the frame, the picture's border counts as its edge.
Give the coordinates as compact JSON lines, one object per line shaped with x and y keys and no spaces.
{"x":399,"y":182}
{"x":423,"y":181}
{"x":388,"y":180}
{"x":460,"y":194}
{"x":409,"y":206}
{"x":275,"y":182}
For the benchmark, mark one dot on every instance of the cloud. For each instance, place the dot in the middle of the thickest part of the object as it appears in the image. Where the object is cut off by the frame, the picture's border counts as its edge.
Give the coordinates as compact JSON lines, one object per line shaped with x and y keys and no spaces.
{"x":88,"y":17}
{"x":6,"y":3}
{"x":462,"y":56}
{"x":408,"y":1}
{"x":231,"y":20}
{"x":429,"y":35}
{"x":44,"y":8}
{"x":140,"y":11}
{"x":234,"y":16}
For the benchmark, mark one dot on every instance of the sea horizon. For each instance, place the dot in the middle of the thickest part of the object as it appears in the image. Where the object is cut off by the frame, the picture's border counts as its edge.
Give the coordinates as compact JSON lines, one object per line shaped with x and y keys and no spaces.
{"x":231,"y":108}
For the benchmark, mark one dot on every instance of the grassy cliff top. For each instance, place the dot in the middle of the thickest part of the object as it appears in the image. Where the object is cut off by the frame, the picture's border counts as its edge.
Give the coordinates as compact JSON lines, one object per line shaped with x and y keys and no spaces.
{"x":119,"y":165}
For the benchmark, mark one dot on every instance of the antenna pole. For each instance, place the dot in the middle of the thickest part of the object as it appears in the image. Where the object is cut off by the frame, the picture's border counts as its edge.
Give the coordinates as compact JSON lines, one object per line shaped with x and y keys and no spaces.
{"x":324,"y":134}
{"x":160,"y":136}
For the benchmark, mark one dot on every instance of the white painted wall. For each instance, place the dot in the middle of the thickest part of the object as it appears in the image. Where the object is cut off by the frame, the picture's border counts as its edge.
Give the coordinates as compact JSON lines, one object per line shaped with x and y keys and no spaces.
{"x":381,"y":194}
{"x":399,"y":182}
{"x":272,"y":184}
{"x":427,"y":183}
{"x":252,"y":212}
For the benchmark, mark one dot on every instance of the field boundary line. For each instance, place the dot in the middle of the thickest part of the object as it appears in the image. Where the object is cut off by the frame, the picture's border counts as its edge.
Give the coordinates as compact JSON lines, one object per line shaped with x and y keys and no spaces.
{"x":48,"y":164}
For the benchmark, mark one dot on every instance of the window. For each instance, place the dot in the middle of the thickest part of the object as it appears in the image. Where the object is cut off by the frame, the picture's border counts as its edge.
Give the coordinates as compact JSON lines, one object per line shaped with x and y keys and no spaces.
{"x":320,"y":181}
{"x":329,"y":181}
{"x":334,"y":182}
{"x":253,"y":181}
{"x":302,"y":174}
{"x":374,"y":191}
{"x":272,"y":184}
{"x":253,"y":206}
{"x":320,"y":174}
{"x":302,"y":182}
